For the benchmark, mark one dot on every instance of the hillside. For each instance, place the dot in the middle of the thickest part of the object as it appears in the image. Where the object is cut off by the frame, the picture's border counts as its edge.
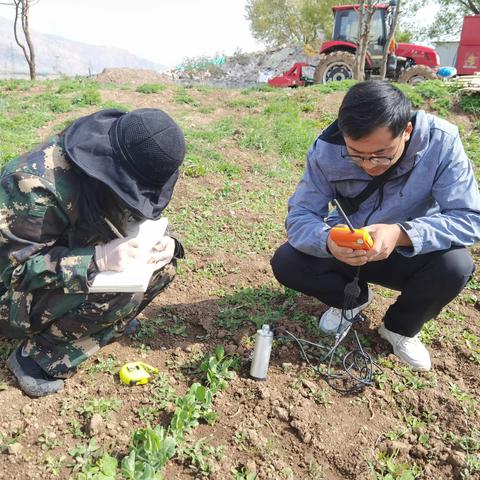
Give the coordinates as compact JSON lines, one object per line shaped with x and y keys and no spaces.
{"x":57,"y":55}
{"x":245,"y":154}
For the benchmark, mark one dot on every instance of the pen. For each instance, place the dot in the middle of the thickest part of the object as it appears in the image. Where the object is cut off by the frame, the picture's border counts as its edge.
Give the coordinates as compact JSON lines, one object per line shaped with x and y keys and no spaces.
{"x":113,"y":228}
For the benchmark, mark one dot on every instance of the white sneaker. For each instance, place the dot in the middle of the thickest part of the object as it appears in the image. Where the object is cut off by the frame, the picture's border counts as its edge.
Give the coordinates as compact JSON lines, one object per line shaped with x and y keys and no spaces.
{"x":409,"y":349}
{"x":331,"y":319}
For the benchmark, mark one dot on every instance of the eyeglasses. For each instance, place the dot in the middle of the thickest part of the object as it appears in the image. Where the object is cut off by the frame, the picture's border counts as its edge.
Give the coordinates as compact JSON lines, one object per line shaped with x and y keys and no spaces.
{"x":375,"y":160}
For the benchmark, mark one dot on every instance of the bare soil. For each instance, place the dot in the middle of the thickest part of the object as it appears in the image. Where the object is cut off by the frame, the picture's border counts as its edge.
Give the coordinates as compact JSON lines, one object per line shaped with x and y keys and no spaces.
{"x":293,"y":425}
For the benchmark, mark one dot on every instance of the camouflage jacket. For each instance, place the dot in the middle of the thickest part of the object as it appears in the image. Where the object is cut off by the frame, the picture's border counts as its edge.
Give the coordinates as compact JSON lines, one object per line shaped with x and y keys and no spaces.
{"x":40,"y":247}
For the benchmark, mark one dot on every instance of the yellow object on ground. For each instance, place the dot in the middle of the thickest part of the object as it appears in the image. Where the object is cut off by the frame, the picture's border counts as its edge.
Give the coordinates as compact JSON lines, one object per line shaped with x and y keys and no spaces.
{"x":137,"y":373}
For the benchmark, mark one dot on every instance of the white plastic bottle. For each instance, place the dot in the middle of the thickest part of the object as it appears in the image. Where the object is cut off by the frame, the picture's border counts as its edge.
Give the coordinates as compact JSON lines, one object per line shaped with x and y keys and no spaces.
{"x":261,"y":354}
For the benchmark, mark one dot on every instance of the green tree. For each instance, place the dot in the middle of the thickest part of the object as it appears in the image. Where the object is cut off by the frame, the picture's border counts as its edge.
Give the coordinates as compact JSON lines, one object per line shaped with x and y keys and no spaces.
{"x":280,"y":22}
{"x":446,"y":23}
{"x":404,"y":36}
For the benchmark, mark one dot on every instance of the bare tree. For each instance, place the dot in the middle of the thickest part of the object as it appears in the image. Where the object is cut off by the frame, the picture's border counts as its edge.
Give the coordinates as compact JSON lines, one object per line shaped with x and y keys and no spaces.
{"x":22,"y":13}
{"x":366,"y":9}
{"x":390,"y":38}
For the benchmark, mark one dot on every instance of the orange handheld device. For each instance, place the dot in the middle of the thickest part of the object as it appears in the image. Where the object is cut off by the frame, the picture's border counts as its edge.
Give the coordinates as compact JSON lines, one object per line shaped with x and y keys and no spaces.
{"x":350,"y":237}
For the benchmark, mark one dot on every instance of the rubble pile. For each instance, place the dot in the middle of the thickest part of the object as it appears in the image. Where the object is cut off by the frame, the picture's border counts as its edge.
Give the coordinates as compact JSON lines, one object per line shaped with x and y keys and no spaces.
{"x":244,"y":69}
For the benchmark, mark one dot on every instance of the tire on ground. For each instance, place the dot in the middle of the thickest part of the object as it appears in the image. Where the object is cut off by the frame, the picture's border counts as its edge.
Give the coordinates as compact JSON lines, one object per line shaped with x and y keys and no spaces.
{"x":417,"y":74}
{"x":334,"y":66}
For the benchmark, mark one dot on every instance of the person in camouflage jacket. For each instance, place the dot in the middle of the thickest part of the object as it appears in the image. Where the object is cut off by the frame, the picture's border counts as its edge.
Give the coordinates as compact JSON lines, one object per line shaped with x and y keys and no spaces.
{"x":62,"y":206}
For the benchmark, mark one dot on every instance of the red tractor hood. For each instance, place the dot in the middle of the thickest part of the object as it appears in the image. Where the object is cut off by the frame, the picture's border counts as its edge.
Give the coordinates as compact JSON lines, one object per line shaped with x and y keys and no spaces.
{"x":420,"y":54}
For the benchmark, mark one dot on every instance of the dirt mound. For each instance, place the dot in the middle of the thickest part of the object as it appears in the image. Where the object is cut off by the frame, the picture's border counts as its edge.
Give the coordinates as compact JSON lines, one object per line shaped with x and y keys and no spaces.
{"x":131,"y":76}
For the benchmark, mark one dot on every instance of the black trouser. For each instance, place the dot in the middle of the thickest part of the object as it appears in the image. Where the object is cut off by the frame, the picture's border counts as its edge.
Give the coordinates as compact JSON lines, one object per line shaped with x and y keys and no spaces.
{"x":426,"y":282}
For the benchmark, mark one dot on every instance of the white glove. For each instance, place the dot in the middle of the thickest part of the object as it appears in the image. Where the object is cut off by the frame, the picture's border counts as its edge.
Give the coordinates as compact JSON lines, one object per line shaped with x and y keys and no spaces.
{"x":118,"y":254}
{"x":162,"y":252}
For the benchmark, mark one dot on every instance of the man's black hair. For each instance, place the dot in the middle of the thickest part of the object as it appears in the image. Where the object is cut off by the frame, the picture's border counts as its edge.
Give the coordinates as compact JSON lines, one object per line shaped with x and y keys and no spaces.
{"x":373,"y":104}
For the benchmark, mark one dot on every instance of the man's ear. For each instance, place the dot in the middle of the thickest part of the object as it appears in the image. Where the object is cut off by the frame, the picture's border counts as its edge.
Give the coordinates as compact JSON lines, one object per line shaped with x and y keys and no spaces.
{"x":408,"y":130}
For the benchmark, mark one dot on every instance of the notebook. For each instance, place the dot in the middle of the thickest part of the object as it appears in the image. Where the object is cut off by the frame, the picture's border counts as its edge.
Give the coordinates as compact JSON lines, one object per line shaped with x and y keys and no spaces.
{"x":136,"y":278}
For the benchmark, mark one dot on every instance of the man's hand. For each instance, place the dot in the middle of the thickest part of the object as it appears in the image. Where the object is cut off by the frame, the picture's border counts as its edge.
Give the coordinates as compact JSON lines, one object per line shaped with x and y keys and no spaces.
{"x":385,"y":239}
{"x":347,"y":255}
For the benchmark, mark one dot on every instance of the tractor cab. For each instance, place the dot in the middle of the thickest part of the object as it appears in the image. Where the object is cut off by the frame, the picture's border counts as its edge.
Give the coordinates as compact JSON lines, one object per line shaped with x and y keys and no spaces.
{"x":405,"y":62}
{"x":346,"y":27}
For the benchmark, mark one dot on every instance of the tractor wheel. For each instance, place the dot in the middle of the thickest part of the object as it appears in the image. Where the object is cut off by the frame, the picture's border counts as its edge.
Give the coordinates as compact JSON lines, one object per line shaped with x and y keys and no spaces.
{"x":417,"y":74}
{"x":334,"y":66}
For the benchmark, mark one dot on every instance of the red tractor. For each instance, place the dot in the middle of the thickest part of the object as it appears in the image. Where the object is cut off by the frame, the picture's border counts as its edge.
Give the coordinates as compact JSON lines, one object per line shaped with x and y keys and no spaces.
{"x":406,"y":62}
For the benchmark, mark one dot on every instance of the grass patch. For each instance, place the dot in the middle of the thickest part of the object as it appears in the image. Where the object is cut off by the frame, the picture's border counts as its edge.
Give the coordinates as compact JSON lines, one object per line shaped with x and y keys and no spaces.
{"x":440,"y":95}
{"x":117,"y":106}
{"x":183,"y":97}
{"x":151,"y":88}
{"x":90,"y":96}
{"x":470,"y":104}
{"x":257,"y":306}
{"x":330,"y":87}
{"x":70,"y":85}
{"x":286,"y":134}
{"x":241,"y":103}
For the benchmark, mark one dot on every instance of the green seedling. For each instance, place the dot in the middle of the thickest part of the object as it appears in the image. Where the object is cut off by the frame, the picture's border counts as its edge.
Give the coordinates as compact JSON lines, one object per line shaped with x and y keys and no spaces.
{"x":148,"y":329}
{"x":240,"y":439}
{"x":178,"y":328}
{"x":474,"y":284}
{"x":54,"y":465}
{"x":108,"y":364}
{"x":199,"y":455}
{"x":84,"y":454}
{"x":468,"y":403}
{"x":449,"y":314}
{"x":101,"y":406}
{"x":150,"y":451}
{"x":386,"y":292}
{"x":103,"y":468}
{"x":152,"y":447}
{"x":240,"y":473}
{"x":217,"y":369}
{"x":315,"y":471}
{"x":75,"y":428}
{"x":469,"y":443}
{"x":6,"y":441}
{"x":320,"y":397}
{"x":473,"y":467}
{"x":429,"y":332}
{"x":161,"y":394}
{"x":396,"y":434}
{"x":48,"y":440}
{"x":386,"y":467}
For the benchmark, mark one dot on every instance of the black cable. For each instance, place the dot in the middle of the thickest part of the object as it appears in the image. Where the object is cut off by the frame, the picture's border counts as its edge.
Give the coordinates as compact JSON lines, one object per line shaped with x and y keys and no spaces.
{"x":357,"y":363}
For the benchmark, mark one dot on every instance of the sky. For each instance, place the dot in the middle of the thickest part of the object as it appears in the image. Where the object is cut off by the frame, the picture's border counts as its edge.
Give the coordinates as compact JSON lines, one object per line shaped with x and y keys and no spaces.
{"x":163,"y":31}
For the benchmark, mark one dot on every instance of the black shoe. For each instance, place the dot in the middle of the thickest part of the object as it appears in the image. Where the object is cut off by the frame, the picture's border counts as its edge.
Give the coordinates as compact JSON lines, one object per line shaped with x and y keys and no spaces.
{"x":132,"y":326}
{"x":33,"y":380}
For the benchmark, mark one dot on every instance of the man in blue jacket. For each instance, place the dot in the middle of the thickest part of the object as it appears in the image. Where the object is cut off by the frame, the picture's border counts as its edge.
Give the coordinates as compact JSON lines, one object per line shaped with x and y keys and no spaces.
{"x":406,"y":179}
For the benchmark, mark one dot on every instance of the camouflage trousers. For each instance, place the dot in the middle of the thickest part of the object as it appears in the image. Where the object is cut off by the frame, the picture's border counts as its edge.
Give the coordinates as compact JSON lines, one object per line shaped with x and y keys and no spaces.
{"x":65,"y":329}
